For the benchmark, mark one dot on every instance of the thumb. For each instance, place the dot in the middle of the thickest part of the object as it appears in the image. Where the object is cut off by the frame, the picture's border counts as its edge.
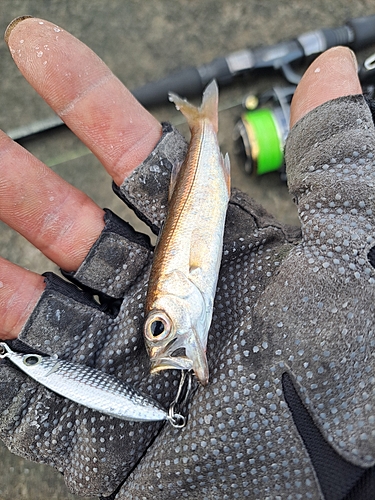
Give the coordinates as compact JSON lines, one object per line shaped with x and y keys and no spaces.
{"x":330,"y":166}
{"x":331,"y":75}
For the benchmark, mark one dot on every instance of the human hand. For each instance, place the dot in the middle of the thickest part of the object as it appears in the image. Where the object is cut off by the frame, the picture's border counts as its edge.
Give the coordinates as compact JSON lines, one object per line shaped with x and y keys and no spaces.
{"x":289,"y":409}
{"x":64,"y":223}
{"x":278,"y":307}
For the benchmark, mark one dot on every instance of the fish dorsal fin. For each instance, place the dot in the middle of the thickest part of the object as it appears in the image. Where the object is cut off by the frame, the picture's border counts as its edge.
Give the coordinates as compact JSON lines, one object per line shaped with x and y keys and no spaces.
{"x":226,"y":169}
{"x":207,"y":110}
{"x":158,"y":237}
{"x":173,"y":180}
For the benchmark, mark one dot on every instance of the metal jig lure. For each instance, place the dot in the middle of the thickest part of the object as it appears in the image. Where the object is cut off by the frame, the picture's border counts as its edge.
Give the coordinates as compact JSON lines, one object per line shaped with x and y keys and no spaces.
{"x":95,"y":389}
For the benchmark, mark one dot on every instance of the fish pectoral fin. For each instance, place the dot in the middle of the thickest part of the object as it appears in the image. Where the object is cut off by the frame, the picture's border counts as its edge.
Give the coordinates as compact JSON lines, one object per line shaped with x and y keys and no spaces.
{"x":199,"y":254}
{"x":197,"y":251}
{"x":194,"y":269}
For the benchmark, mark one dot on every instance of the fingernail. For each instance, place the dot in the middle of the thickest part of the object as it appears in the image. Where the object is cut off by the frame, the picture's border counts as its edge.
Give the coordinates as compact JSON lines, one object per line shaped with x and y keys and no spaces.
{"x":344,"y":53}
{"x":12,"y":24}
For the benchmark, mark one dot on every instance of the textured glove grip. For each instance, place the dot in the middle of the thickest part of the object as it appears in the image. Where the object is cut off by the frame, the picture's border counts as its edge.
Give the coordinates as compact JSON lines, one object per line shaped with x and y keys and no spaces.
{"x":114,"y":261}
{"x":62,"y":313}
{"x":146,"y":190}
{"x":348,"y":128}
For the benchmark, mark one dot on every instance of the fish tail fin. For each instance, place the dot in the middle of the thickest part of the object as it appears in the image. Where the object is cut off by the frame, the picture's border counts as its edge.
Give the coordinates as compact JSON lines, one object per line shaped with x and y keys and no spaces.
{"x":209,"y":106}
{"x":208,"y":109}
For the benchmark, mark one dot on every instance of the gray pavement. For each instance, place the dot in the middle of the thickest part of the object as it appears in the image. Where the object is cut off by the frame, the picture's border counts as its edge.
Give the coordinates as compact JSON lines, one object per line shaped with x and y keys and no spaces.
{"x":141,"y":41}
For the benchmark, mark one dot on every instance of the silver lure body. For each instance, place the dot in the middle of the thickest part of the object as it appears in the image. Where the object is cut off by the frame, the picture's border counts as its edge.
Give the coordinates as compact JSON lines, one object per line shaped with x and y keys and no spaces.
{"x":87,"y":386}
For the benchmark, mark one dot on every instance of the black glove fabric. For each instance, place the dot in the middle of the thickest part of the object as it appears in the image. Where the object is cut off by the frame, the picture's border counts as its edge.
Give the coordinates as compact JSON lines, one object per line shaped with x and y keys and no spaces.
{"x":289,"y":410}
{"x":94,"y":452}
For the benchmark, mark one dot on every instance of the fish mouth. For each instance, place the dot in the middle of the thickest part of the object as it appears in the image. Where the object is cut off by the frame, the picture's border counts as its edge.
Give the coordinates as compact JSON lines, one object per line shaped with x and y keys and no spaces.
{"x":180,"y":360}
{"x":177,"y":360}
{"x":172,"y":357}
{"x":170,"y":363}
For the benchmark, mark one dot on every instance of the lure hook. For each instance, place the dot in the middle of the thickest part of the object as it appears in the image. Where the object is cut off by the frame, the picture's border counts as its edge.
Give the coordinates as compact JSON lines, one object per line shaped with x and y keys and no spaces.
{"x":177,"y":420}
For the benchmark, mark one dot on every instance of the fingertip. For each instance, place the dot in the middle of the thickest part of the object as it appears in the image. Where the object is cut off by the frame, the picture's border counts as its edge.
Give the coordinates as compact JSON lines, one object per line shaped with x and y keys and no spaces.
{"x":92,"y":102}
{"x":331,"y":75}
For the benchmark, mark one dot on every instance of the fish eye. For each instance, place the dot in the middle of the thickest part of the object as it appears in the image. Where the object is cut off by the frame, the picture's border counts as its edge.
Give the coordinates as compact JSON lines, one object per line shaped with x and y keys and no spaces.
{"x":158,"y":327}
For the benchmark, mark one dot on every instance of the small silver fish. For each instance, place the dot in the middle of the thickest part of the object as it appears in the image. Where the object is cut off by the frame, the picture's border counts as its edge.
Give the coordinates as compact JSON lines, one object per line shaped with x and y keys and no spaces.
{"x":187,"y":257}
{"x":88,"y":386}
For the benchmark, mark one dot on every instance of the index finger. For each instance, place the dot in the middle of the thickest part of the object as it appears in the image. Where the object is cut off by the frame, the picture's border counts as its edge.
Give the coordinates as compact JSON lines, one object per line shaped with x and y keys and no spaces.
{"x":83,"y":91}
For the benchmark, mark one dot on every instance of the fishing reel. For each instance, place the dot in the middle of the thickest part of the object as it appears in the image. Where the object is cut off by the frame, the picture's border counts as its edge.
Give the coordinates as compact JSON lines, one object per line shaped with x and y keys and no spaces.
{"x":260,"y":133}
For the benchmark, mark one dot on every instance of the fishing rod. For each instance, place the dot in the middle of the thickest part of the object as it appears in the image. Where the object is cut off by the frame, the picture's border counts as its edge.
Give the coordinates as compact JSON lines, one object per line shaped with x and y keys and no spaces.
{"x":356,"y":33}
